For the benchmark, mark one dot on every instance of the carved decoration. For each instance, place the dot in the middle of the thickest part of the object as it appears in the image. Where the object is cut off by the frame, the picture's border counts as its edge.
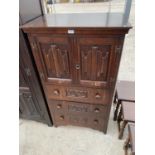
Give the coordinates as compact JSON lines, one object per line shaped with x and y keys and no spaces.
{"x":75,"y":108}
{"x":94,"y":62}
{"x":27,"y":105}
{"x":56,"y":60}
{"x":76,"y":93}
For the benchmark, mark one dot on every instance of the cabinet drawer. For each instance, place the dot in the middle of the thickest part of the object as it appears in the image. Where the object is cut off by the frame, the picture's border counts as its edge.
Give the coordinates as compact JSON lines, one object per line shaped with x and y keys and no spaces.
{"x":78,"y":94}
{"x":80,"y":114}
{"x":87,"y":121}
{"x":86,"y":109}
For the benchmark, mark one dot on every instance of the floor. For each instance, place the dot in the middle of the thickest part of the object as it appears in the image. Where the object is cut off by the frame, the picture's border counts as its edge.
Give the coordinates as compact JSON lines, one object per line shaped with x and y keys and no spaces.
{"x":39,"y":139}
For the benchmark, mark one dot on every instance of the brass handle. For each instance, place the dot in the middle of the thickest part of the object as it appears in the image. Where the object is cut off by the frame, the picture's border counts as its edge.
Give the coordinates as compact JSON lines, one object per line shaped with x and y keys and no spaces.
{"x":77,"y":66}
{"x":61,"y":117}
{"x":56,"y":92}
{"x":59,"y":106}
{"x":98,"y":96}
{"x":96,"y":121}
{"x":97,"y":110}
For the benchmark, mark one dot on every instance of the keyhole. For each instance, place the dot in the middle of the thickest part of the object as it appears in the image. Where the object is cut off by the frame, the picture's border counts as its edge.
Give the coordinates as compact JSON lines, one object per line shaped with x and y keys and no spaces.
{"x":77,"y":66}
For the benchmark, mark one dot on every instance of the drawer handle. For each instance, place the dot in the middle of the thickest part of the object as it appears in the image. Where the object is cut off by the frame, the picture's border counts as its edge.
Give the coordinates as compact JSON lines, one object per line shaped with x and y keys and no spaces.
{"x":98,"y":96}
{"x":97,"y":110}
{"x":96,"y":121}
{"x":56,"y":92}
{"x":59,"y":106}
{"x":61,"y":117}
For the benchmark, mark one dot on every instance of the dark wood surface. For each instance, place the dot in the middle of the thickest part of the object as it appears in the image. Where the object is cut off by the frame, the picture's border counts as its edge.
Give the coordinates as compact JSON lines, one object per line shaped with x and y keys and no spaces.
{"x":32,"y":104}
{"x":80,"y":114}
{"x":126,"y":90}
{"x":77,"y":66}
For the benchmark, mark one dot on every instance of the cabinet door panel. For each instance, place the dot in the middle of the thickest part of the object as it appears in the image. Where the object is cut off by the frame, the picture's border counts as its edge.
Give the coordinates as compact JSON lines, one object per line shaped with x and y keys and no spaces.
{"x":95,"y":60}
{"x":56,"y":58}
{"x":27,"y":105}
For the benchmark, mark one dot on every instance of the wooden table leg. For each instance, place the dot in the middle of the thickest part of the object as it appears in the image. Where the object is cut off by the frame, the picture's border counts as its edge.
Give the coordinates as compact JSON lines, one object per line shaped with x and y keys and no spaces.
{"x":115,"y":97}
{"x":122,"y":129}
{"x":119,"y":117}
{"x":126,"y":145}
{"x":116,"y":110}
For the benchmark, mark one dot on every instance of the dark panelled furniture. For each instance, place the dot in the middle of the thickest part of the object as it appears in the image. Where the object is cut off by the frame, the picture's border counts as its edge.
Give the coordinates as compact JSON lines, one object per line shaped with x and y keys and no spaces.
{"x":77,"y":57}
{"x":32,"y":104}
{"x":31,"y":101}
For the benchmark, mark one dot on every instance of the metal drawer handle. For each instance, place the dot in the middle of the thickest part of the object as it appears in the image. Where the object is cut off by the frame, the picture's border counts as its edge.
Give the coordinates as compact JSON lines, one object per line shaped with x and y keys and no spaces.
{"x":96,"y":121}
{"x":77,"y":66}
{"x":62,"y":117}
{"x":97,"y":110}
{"x":98,"y":96}
{"x":71,"y":31}
{"x":59,"y":106}
{"x":56,"y":92}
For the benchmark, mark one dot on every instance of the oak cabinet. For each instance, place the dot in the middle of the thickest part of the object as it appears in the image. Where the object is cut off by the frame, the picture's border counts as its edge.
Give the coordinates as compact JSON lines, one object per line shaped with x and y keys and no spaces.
{"x":78,"y":63}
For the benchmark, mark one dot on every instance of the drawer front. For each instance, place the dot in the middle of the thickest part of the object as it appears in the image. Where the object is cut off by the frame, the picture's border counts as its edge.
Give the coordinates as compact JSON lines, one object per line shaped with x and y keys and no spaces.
{"x":86,"y":109}
{"x":79,"y":114}
{"x":78,"y":94}
{"x":87,"y":121}
{"x":58,"y":112}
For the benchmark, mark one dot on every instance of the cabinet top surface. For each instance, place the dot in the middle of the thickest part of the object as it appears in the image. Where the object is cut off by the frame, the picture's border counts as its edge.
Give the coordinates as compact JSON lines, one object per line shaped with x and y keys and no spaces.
{"x":90,"y":20}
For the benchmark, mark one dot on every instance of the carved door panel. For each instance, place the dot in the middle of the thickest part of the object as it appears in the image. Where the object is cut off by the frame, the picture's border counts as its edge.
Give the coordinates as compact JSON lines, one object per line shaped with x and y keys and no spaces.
{"x":27,"y":105}
{"x":54,"y":59}
{"x":95,"y":59}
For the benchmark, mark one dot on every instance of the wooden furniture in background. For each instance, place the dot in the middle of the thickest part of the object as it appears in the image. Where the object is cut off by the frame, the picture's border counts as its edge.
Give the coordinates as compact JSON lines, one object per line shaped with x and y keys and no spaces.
{"x":125,"y":91}
{"x":32,"y":103}
{"x":130,"y":141}
{"x":127,"y":114}
{"x":78,"y":60}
